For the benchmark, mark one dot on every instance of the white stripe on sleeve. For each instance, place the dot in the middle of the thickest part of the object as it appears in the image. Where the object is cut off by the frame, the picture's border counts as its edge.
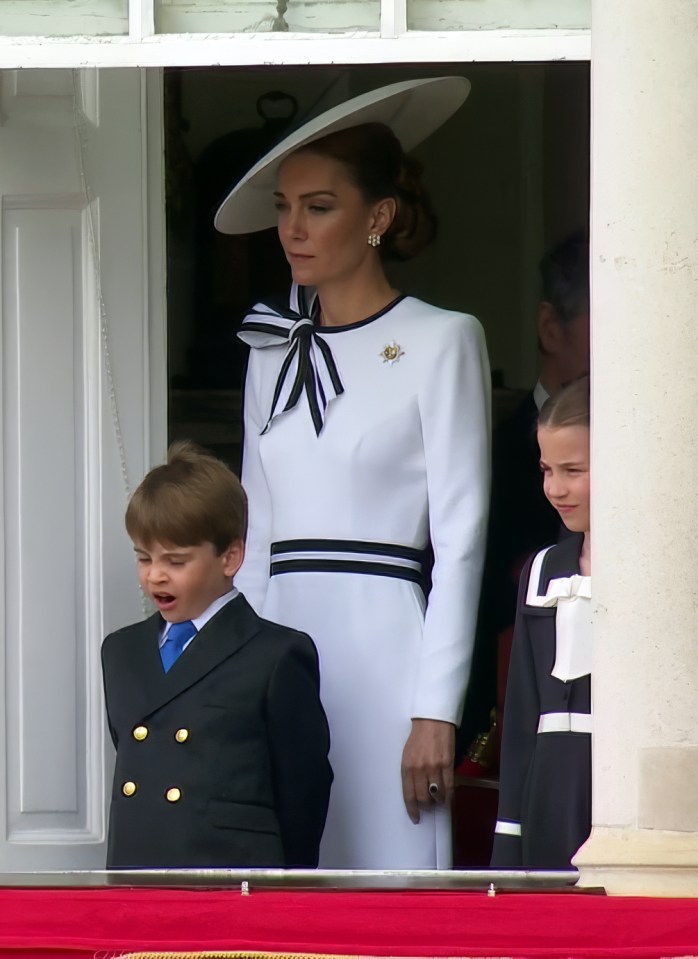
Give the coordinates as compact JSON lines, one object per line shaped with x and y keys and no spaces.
{"x":565,"y":723}
{"x":507,"y":828}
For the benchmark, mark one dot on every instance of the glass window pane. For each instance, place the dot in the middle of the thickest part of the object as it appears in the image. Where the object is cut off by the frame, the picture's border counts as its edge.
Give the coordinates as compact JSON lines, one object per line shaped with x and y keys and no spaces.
{"x":263,"y":16}
{"x":63,"y":18}
{"x":498,"y":14}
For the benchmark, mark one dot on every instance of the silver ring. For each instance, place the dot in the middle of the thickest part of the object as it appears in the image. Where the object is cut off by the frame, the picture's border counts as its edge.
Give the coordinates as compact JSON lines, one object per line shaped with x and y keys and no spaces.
{"x":433,"y":789}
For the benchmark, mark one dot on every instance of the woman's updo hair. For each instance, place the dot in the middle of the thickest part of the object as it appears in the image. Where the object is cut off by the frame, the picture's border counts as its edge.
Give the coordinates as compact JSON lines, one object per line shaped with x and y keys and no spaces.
{"x":377,"y":165}
{"x":569,"y":407}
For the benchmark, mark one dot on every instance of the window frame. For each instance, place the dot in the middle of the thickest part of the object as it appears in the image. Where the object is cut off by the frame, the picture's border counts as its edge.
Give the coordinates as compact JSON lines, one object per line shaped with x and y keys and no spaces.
{"x":142,"y":47}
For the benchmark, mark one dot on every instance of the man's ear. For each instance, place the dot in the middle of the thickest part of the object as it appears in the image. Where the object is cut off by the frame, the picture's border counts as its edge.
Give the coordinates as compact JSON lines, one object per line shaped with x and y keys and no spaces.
{"x":549,"y":329}
{"x":232,"y":557}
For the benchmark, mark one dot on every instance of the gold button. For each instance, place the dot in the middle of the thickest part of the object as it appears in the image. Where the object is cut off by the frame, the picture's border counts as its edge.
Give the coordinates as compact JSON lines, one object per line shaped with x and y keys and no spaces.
{"x":182,"y":735}
{"x":140,"y":733}
{"x":173,"y":795}
{"x":128,"y":789}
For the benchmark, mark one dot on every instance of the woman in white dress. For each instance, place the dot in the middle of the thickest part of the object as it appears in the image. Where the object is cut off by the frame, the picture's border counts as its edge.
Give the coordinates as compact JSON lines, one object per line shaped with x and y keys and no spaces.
{"x":367,"y":437}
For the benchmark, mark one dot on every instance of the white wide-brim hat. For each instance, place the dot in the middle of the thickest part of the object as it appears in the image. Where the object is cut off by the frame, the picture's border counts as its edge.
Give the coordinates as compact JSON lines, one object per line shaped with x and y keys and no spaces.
{"x":412,"y":109}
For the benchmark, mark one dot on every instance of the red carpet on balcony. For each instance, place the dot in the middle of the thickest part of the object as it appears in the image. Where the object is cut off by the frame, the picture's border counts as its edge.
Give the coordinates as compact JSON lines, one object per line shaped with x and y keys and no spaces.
{"x":75,"y":924}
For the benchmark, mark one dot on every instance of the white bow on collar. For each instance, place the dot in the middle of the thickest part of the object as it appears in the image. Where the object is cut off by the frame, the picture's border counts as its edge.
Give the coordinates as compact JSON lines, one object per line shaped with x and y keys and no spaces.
{"x":308,"y":366}
{"x":571,"y":595}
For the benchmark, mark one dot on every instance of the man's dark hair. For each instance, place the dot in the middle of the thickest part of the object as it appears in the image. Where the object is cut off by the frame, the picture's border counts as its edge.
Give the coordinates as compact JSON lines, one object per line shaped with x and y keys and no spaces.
{"x":564,"y":271}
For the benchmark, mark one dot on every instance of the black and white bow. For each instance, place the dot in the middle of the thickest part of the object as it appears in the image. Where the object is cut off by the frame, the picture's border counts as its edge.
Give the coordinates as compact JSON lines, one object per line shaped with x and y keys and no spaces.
{"x":308,"y":365}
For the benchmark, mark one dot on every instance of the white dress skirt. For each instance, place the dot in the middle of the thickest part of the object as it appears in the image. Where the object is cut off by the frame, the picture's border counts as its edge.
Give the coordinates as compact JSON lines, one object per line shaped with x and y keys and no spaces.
{"x":341,"y":509}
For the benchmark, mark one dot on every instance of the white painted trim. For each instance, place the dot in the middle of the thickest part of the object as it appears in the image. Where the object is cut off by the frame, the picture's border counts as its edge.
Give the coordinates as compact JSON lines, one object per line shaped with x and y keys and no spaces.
{"x":85,"y":359}
{"x":393,"y":18}
{"x":93,"y":547}
{"x":53,"y":837}
{"x":156,"y":268}
{"x":141,"y":19}
{"x":86,"y":86}
{"x":3,"y":540}
{"x":497,"y":46}
{"x":48,"y":201}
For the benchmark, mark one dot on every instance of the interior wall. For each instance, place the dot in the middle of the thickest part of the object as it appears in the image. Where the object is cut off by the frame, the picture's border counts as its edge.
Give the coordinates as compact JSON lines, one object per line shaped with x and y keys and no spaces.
{"x":508,"y":176}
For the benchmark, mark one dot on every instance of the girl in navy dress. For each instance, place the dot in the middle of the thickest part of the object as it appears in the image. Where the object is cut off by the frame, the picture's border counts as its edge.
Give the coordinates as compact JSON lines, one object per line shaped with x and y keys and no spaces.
{"x":545,"y":786}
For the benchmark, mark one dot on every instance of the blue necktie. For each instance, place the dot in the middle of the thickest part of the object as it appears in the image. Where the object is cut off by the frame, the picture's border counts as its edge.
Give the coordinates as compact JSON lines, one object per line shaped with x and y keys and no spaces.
{"x":178,"y":636}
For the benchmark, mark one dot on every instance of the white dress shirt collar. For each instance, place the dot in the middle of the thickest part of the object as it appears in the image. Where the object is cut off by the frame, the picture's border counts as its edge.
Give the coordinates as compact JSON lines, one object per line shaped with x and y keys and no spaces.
{"x":571,"y":598}
{"x":200,"y":621}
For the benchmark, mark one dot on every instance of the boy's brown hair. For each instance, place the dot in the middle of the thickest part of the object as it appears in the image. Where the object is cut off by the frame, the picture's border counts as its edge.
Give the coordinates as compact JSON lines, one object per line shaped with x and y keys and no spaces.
{"x":191,"y":499}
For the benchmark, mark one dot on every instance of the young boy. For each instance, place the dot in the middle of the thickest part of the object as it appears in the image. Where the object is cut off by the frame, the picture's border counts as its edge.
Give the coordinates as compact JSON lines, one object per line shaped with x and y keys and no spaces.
{"x":221,"y":741}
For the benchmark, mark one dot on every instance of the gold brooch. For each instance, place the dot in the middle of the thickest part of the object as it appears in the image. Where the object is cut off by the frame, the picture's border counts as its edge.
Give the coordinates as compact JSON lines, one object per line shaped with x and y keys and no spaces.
{"x":392,"y":353}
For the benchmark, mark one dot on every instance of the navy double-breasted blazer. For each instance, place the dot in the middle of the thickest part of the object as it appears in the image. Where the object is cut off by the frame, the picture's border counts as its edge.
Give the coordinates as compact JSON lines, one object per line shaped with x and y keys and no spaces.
{"x":222,"y":761}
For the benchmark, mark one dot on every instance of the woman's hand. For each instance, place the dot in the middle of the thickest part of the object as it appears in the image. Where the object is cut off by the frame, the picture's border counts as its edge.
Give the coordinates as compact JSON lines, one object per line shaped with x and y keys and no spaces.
{"x":427,"y":759}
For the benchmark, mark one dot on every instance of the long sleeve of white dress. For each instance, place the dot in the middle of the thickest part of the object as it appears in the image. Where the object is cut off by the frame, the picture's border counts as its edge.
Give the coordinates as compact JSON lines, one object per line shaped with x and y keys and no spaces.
{"x":454,"y":407}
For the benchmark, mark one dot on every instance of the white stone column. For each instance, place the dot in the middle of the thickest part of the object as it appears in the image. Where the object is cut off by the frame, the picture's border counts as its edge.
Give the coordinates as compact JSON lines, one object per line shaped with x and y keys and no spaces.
{"x":645,"y":447}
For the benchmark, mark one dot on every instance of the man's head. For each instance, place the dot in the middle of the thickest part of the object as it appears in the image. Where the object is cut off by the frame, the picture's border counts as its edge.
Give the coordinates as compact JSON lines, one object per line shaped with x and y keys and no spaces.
{"x":563,"y":313}
{"x":187,"y":520}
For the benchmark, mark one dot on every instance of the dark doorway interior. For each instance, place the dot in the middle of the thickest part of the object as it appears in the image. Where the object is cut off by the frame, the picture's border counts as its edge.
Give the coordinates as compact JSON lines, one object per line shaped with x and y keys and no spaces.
{"x":509,"y":176}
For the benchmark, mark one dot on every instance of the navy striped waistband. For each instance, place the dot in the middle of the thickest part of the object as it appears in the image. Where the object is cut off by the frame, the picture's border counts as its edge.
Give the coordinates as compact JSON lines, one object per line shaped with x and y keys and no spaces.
{"x":347,"y":556}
